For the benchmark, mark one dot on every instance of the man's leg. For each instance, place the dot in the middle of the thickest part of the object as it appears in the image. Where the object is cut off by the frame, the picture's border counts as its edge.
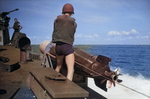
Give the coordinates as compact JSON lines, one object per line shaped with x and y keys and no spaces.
{"x":70,"y":65}
{"x":59,"y":62}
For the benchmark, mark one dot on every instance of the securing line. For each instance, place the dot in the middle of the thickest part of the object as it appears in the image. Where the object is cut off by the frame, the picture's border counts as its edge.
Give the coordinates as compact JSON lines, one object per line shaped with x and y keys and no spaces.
{"x":134,"y":90}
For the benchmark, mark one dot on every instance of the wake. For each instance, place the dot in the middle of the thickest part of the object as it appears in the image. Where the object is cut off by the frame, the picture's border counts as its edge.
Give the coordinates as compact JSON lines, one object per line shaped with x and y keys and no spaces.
{"x":135,"y":88}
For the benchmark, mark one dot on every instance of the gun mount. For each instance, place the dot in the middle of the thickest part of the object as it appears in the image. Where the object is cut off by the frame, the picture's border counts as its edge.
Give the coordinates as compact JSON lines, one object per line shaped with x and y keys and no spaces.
{"x":86,"y":65}
{"x":4,"y":23}
{"x":3,"y":14}
{"x":4,"y":20}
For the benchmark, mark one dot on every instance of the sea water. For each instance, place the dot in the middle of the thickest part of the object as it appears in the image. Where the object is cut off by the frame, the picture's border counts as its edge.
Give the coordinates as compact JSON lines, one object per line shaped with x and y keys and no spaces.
{"x":134,"y":62}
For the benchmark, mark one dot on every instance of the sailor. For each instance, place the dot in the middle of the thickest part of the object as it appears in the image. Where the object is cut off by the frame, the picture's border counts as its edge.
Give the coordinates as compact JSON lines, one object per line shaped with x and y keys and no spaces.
{"x":15,"y":37}
{"x":63,"y":36}
{"x":17,"y":27}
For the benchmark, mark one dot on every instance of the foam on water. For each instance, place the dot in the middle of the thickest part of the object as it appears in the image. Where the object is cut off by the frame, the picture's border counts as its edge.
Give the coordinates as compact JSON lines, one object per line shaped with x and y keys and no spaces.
{"x":138,"y":83}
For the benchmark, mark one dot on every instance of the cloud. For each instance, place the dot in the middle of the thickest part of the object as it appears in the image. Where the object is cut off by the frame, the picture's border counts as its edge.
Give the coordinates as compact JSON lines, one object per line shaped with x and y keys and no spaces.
{"x":35,"y":37}
{"x":123,"y":33}
{"x":145,"y":37}
{"x":86,"y":36}
{"x":48,"y":37}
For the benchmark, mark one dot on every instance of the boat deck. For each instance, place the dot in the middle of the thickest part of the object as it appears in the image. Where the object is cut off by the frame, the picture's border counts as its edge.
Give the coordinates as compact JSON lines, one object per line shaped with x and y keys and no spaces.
{"x":11,"y":82}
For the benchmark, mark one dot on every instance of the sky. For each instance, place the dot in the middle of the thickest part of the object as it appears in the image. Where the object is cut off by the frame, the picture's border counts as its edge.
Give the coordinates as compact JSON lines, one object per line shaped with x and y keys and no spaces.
{"x":99,"y":22}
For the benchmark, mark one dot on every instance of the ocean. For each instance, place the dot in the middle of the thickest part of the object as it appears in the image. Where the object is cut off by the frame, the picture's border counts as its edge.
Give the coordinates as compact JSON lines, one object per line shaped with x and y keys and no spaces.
{"x":134,"y":62}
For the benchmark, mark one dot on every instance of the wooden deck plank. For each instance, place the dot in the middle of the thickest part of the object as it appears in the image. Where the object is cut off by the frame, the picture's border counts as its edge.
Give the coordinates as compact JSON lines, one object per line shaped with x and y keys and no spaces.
{"x":58,"y":89}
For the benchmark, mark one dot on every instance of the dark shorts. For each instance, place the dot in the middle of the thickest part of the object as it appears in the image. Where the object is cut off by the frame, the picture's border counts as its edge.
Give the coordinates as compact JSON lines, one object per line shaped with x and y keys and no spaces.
{"x":63,"y":49}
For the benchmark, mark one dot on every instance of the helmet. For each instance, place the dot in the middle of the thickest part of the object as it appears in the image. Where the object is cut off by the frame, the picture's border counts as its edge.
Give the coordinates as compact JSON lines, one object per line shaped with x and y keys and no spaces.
{"x":68,"y":8}
{"x":15,"y":18}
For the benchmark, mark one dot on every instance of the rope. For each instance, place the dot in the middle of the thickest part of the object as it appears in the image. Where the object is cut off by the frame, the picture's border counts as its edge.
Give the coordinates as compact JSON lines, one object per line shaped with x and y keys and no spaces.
{"x":133,"y":90}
